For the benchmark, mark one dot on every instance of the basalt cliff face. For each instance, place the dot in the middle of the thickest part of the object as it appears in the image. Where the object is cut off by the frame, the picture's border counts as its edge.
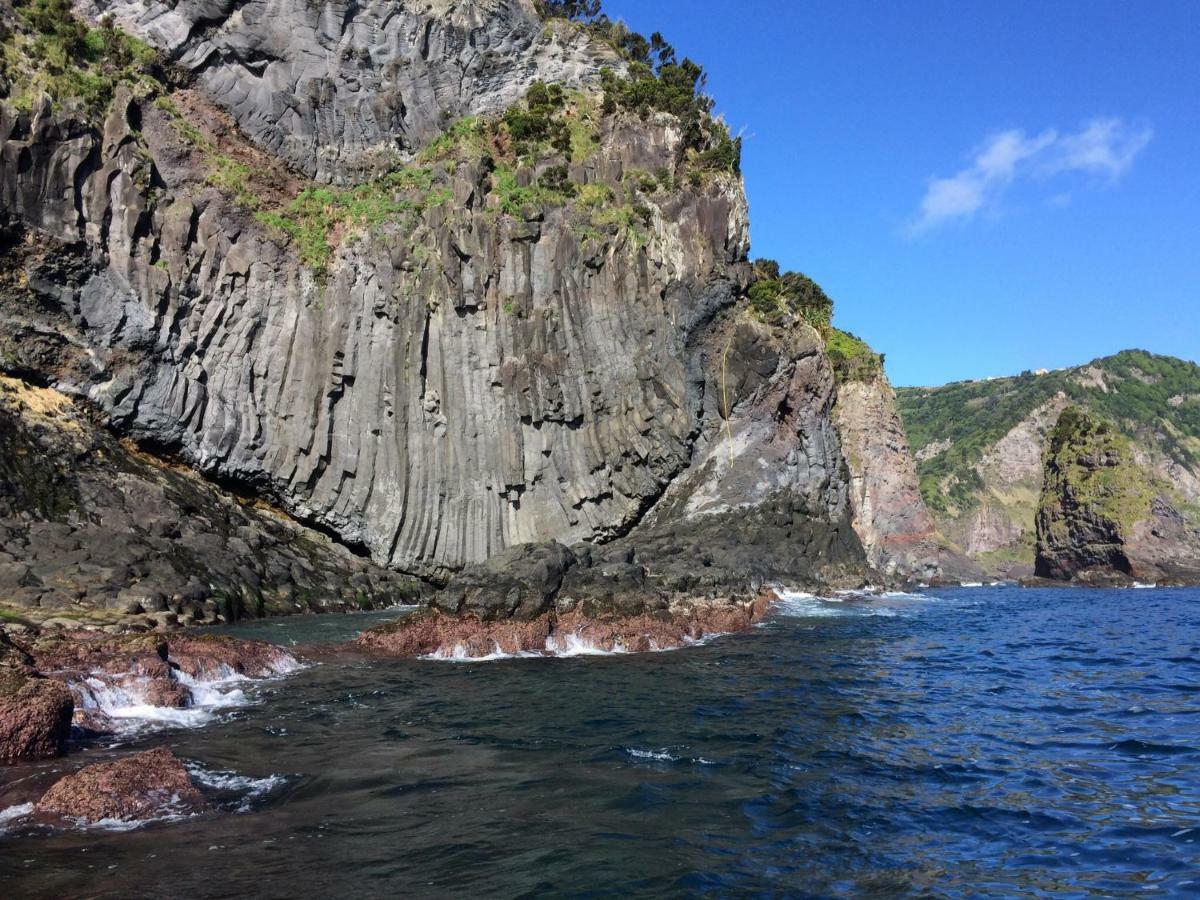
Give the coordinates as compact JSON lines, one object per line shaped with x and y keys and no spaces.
{"x":477,"y":341}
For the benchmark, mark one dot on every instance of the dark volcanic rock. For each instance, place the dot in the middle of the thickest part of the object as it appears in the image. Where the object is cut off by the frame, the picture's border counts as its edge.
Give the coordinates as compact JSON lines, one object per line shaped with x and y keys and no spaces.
{"x":1103,"y":518}
{"x":89,"y":526}
{"x":518,"y":583}
{"x":149,"y":785}
{"x":474,"y":375}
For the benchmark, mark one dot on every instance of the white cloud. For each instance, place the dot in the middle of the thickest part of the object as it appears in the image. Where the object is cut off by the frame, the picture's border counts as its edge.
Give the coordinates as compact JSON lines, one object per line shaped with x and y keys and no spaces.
{"x":1103,"y":147}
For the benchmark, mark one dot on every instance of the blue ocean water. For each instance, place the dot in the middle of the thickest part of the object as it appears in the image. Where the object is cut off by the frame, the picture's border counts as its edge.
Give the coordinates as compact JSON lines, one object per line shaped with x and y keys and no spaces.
{"x":991,"y":741}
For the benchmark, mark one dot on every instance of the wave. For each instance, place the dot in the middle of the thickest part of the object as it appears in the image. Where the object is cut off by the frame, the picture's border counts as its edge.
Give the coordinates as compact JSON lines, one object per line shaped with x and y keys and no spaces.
{"x":125,"y":701}
{"x":562,"y":646}
{"x":231,"y":788}
{"x":970,"y":584}
{"x":13,"y":813}
{"x":665,"y":756}
{"x":1141,"y":586}
{"x":802,"y":604}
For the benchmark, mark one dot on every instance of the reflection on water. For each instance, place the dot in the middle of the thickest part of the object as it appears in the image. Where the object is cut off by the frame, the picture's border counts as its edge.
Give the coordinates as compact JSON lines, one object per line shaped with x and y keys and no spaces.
{"x":990,"y":741}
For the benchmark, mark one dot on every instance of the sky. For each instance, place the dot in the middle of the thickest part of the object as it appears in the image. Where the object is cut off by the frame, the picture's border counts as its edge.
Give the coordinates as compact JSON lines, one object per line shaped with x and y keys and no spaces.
{"x":981,"y":187}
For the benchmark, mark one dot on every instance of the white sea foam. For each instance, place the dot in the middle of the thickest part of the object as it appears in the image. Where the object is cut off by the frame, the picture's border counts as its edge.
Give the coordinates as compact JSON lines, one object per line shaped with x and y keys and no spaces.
{"x":802,"y":604}
{"x":572,"y":644}
{"x":123,"y":698}
{"x":12,"y":813}
{"x":559,"y":646}
{"x":1140,"y":586}
{"x":246,"y":788}
{"x":664,"y":755}
{"x":658,"y":755}
{"x":970,"y":584}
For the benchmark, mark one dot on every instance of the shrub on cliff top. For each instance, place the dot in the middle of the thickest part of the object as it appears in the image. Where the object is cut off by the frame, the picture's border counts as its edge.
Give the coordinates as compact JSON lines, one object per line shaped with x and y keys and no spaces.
{"x":775,"y":296}
{"x":851,"y":357}
{"x":657,"y":81}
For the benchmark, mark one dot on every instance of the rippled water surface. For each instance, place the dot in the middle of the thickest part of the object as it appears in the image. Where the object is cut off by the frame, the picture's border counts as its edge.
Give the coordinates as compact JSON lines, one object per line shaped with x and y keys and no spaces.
{"x":981,"y":741}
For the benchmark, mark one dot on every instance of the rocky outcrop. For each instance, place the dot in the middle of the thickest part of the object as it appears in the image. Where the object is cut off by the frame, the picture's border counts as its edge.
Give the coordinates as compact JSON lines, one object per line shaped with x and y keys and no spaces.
{"x":474,"y":381}
{"x":890,"y":516}
{"x":980,"y":446}
{"x":1102,"y":517}
{"x":150,"y":785}
{"x":569,"y":630}
{"x":341,"y":90}
{"x":485,"y":348}
{"x":92,"y":531}
{"x":35,"y":712}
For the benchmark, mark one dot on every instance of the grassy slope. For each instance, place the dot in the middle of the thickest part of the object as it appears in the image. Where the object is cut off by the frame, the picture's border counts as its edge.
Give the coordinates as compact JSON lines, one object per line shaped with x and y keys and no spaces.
{"x":973,"y":415}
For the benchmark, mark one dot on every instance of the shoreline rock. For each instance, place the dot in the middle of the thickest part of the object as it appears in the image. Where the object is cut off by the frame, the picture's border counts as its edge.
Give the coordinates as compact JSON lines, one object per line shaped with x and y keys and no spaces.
{"x":436,"y":633}
{"x":153,"y":784}
{"x":55,"y":681}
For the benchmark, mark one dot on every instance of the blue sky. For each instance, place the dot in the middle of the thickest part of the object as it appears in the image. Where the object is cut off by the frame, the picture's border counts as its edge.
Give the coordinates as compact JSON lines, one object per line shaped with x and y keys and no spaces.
{"x":982,"y":187}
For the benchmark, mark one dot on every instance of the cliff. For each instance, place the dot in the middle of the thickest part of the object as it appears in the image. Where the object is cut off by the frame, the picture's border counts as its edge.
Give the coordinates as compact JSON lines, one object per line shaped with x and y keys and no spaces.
{"x":436,"y":279}
{"x":889,"y":515}
{"x":1105,"y":518}
{"x":979,"y":445}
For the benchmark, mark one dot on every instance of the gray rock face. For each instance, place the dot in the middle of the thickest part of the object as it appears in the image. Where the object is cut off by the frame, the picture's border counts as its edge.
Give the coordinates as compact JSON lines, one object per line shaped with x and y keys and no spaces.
{"x":89,"y":527}
{"x":341,"y":89}
{"x":462,"y":380}
{"x":476,"y":382}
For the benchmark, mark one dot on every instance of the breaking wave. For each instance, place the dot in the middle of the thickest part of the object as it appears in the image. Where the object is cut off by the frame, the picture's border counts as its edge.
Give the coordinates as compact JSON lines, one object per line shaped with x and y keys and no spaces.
{"x":124,"y":701}
{"x":231,"y":789}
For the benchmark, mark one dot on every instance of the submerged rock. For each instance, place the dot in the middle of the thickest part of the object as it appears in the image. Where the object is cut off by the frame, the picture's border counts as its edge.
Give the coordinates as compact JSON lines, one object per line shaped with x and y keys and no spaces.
{"x":89,"y":677}
{"x":149,"y":785}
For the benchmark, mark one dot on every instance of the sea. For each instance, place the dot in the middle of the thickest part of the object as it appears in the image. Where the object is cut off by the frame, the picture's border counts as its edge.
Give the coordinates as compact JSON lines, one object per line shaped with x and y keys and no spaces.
{"x":990,"y":741}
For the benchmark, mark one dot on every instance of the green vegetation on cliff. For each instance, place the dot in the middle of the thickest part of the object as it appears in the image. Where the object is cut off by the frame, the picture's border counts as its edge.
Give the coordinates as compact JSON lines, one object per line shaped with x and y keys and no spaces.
{"x":777,"y":296}
{"x":851,"y":357}
{"x":1146,"y":396}
{"x":656,"y":81}
{"x":985,"y":494}
{"x":1093,"y":465}
{"x":47,"y":50}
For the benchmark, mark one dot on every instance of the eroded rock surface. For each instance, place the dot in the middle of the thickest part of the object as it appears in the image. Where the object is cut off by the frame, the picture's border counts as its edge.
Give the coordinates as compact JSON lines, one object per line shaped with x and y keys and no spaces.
{"x":35,"y":712}
{"x":890,"y":517}
{"x":471,"y":372}
{"x":153,"y":784}
{"x":339,"y":90}
{"x":562,"y":631}
{"x":93,"y":531}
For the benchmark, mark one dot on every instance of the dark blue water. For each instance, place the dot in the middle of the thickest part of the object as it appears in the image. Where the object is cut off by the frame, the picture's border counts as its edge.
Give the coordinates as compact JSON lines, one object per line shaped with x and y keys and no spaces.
{"x":973,"y":742}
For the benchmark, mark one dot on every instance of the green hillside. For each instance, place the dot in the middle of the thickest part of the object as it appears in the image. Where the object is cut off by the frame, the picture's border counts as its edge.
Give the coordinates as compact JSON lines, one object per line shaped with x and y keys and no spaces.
{"x":1154,"y":400}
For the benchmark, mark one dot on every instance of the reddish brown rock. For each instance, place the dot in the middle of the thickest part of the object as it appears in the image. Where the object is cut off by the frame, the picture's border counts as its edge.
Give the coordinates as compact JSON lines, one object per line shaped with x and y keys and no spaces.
{"x":437,"y":633}
{"x":149,"y":666}
{"x":432,"y":632}
{"x":147,"y":785}
{"x":212,"y":656}
{"x":35,"y":720}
